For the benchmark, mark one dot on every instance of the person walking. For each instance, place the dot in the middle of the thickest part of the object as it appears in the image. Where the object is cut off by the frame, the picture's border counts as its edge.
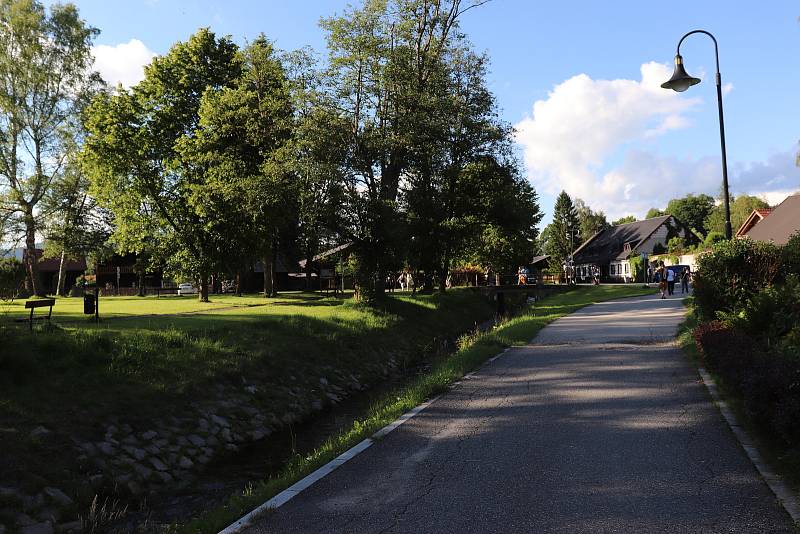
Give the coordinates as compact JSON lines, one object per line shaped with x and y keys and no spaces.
{"x":686,"y":275}
{"x":670,"y":282}
{"x":662,"y":280}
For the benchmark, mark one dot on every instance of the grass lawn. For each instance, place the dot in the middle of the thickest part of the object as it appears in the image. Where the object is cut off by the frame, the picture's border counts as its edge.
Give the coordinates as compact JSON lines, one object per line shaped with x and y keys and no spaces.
{"x":70,"y":309}
{"x":472,"y":353}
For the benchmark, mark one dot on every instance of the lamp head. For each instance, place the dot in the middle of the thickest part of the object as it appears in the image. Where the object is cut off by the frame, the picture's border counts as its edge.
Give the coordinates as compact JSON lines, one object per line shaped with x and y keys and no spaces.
{"x":680,"y":80}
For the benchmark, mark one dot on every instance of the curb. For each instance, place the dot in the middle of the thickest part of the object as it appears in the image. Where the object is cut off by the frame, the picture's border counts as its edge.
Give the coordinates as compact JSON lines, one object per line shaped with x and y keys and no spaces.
{"x":292,"y":491}
{"x":787,"y":498}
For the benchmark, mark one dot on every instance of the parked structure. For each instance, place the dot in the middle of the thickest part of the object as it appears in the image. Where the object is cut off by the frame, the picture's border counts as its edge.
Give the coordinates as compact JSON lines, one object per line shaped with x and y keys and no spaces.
{"x":610,"y":249}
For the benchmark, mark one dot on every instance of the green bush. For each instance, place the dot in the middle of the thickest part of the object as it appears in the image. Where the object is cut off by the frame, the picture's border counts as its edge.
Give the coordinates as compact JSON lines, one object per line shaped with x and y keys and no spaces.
{"x":713,"y":238}
{"x":735,"y":271}
{"x":790,"y":255}
{"x":12,"y":275}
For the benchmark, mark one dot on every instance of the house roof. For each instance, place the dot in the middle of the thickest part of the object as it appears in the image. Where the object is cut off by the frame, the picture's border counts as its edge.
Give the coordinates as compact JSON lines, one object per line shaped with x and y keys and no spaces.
{"x":617,"y":242}
{"x":323,"y":255}
{"x":782,"y":222}
{"x":752,"y":220}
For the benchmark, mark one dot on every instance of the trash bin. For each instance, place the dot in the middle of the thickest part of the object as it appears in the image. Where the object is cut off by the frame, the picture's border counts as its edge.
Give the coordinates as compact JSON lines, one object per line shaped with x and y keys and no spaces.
{"x":88,"y":304}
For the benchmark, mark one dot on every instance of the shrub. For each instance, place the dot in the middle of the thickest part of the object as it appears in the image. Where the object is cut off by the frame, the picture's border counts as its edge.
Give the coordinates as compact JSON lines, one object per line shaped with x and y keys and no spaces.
{"x":768,"y":382}
{"x":732,"y":273}
{"x":790,"y":255}
{"x":12,"y":275}
{"x":713,"y":238}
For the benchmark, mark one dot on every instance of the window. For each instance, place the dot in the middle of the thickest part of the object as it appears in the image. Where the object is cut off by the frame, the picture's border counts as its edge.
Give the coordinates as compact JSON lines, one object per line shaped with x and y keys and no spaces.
{"x":626,"y":268}
{"x":613,"y":269}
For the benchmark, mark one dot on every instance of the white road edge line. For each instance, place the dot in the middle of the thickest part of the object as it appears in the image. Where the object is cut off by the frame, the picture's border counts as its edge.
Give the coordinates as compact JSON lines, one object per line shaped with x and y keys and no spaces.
{"x":787,"y":498}
{"x":289,"y":493}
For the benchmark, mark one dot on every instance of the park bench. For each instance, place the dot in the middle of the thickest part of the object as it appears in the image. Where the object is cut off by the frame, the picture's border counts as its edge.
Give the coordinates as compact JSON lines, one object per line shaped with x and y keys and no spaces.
{"x":39,"y":303}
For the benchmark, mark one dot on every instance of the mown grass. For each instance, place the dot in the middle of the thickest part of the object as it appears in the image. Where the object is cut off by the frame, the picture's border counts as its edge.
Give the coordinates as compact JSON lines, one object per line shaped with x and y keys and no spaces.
{"x":785,"y":463}
{"x":71,"y":308}
{"x":472,"y":351}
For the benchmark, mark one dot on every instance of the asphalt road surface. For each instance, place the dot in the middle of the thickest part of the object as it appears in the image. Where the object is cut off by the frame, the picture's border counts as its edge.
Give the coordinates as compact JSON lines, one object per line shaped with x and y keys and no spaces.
{"x":599,"y":425}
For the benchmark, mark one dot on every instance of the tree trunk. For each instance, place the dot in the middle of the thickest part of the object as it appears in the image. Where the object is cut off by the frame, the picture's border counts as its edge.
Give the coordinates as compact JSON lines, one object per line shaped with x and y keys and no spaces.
{"x":31,"y":263}
{"x":203,"y":293}
{"x":141,"y":283}
{"x":238,"y":283}
{"x":61,"y":275}
{"x":269,"y":285}
{"x":309,"y":259}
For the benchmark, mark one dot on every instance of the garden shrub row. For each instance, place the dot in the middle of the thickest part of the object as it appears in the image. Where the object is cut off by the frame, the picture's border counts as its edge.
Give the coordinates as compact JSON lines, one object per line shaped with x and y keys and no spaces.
{"x":747,"y":294}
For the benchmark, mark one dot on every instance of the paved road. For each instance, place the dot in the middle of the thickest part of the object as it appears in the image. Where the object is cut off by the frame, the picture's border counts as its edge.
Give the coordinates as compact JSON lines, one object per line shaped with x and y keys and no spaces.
{"x":599,"y":425}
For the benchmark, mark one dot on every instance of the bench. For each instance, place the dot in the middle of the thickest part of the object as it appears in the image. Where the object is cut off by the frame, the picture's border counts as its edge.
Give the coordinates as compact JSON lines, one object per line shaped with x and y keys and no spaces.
{"x":39,"y":303}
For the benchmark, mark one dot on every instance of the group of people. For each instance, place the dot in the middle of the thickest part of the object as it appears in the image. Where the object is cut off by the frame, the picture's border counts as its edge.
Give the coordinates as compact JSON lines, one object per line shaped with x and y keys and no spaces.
{"x":667,"y":277}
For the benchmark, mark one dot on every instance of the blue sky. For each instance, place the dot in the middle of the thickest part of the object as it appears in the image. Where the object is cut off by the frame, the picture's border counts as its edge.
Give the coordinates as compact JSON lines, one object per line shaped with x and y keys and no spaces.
{"x":601,"y":128}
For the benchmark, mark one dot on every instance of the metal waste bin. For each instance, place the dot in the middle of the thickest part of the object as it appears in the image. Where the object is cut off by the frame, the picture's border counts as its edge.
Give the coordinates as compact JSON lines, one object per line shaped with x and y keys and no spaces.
{"x":88,"y":304}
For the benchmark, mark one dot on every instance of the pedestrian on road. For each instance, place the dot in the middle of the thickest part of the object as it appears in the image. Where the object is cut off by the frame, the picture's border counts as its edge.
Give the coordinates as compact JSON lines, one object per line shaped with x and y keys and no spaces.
{"x":662,"y":280}
{"x":670,"y":282}
{"x":686,"y":275}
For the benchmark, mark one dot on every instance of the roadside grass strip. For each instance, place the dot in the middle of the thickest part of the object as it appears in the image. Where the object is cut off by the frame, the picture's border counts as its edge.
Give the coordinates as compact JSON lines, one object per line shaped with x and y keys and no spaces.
{"x":396,"y":408}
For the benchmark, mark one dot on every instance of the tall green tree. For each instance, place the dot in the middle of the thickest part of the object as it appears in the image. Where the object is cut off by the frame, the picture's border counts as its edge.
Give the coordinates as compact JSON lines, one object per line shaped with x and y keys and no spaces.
{"x":137,"y":149}
{"x":248,"y":191}
{"x":741,"y":208}
{"x":45,"y":77}
{"x":590,"y":221}
{"x":385,"y":62}
{"x":624,"y":220}
{"x":562,"y":236}
{"x":653,"y":212}
{"x":692,"y":211}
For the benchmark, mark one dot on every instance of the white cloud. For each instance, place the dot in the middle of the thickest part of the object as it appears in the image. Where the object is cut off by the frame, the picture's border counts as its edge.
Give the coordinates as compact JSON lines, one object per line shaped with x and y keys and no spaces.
{"x":593,"y":139}
{"x":574,"y":132}
{"x":123,"y":63}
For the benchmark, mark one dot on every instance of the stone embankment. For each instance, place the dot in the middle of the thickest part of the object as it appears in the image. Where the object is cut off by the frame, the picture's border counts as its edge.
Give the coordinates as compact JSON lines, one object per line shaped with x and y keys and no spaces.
{"x":128,"y":461}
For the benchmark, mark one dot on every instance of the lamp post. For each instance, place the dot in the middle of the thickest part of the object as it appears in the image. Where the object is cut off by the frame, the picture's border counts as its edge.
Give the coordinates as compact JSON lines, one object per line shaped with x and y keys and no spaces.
{"x":680,"y":82}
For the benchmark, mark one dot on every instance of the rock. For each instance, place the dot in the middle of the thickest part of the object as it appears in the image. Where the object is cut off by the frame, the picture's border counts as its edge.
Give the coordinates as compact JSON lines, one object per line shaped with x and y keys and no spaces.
{"x":316,"y":405}
{"x":39,"y":432}
{"x":185,"y":463}
{"x":2,"y":529}
{"x":197,"y":441}
{"x":48,"y":514}
{"x":89,"y":448}
{"x":106,"y":448}
{"x":38,"y":528}
{"x":231,"y":447}
{"x":333,"y":398}
{"x":251,"y":389}
{"x":58,"y":497}
{"x":158,"y":464}
{"x":130,"y":440}
{"x":260,"y":433}
{"x":96,"y":481}
{"x":288,"y":418}
{"x":202,"y":425}
{"x":203,"y":460}
{"x":161,"y":443}
{"x":111,"y":430}
{"x":24,"y":520}
{"x":33,"y":503}
{"x":68,"y":528}
{"x":221,"y":421}
{"x":182,"y":441}
{"x":212,"y":441}
{"x":11,"y":495}
{"x":152,"y":449}
{"x":142,"y":472}
{"x":225,"y":434}
{"x":134,"y":488}
{"x":165,"y":477}
{"x":126,"y":428}
{"x":137,"y":453}
{"x":323,"y":381}
{"x":149,"y":435}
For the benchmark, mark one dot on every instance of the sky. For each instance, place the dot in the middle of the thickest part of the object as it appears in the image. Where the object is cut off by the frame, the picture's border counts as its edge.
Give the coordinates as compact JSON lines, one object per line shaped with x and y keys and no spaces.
{"x":578,"y":80}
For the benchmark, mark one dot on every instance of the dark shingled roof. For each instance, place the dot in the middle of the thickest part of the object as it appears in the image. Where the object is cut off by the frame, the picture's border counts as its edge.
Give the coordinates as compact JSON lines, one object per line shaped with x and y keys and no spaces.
{"x":780,"y":224}
{"x":609,"y":244}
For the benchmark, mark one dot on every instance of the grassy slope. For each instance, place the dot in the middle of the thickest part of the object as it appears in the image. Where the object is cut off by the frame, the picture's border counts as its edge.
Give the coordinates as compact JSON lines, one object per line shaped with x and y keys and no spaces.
{"x":73,"y":380}
{"x":517,"y":331}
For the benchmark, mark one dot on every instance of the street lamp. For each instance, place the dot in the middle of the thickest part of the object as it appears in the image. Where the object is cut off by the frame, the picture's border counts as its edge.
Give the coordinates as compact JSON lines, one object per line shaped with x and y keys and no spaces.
{"x":680,"y":82}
